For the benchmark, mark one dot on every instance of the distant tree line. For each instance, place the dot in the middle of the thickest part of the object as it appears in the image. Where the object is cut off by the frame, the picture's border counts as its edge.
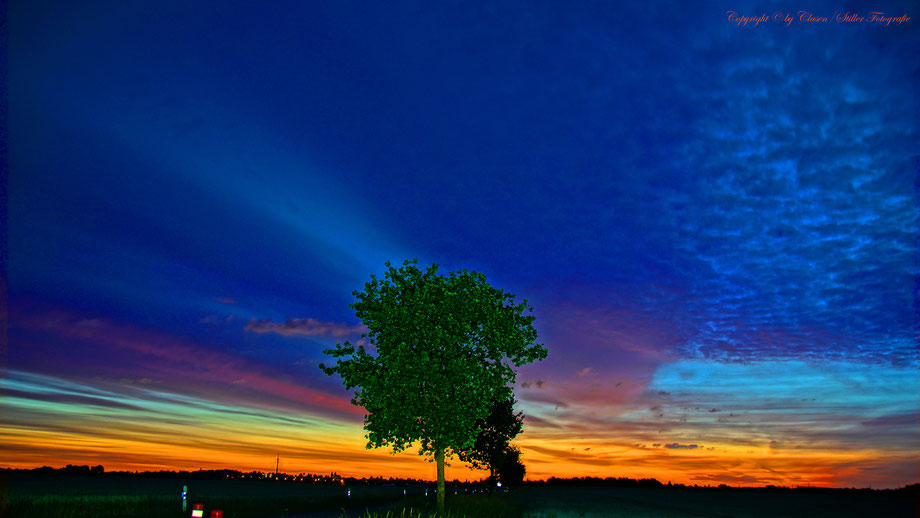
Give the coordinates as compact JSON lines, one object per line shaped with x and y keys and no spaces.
{"x":335,"y":478}
{"x":219,"y":474}
{"x":912,"y":489}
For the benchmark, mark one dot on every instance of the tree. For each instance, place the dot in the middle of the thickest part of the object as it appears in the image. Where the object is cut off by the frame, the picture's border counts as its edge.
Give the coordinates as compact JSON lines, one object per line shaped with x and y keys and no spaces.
{"x":446,"y":348}
{"x":495,"y":433}
{"x":511,"y":471}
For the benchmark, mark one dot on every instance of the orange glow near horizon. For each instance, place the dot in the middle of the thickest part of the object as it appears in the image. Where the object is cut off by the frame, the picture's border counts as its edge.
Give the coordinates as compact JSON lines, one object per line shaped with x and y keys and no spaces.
{"x":347,"y":457}
{"x":208,"y":440}
{"x":722,"y":464}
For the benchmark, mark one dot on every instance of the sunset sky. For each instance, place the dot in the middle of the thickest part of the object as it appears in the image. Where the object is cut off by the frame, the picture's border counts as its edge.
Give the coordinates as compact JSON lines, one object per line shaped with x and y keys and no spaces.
{"x":716,"y":224}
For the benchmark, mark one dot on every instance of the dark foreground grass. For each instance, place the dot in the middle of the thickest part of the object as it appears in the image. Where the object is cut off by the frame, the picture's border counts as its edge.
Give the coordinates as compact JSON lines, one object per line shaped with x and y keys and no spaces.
{"x":596,"y":502}
{"x":76,"y":498}
{"x":456,"y":506}
{"x":89,"y":506}
{"x":97,"y":506}
{"x":25,"y":495}
{"x":102,"y":506}
{"x":163,"y":506}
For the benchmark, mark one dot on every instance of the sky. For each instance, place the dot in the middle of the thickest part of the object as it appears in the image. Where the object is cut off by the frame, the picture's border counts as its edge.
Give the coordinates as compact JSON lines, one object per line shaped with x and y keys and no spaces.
{"x":715,"y":217}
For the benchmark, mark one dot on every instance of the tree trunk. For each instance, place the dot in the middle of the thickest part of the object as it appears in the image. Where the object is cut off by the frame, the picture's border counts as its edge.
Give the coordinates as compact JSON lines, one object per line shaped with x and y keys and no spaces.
{"x":439,"y":459}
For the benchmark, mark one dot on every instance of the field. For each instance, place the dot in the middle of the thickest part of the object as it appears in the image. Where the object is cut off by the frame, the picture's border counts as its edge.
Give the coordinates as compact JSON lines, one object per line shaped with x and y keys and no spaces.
{"x":100,"y":497}
{"x":58,"y":496}
{"x":588,"y":502}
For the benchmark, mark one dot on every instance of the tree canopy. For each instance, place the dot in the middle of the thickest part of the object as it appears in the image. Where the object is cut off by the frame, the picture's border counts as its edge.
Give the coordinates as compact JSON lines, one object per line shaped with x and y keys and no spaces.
{"x":440,"y":349}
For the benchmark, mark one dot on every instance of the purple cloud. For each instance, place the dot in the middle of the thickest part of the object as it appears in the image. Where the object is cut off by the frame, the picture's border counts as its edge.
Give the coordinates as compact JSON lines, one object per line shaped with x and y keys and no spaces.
{"x":537,"y":384}
{"x":678,"y":446}
{"x":303,"y":326}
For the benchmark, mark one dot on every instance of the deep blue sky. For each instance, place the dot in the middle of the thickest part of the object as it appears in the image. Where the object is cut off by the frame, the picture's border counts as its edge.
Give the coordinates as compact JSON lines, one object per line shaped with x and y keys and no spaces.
{"x":674,"y":193}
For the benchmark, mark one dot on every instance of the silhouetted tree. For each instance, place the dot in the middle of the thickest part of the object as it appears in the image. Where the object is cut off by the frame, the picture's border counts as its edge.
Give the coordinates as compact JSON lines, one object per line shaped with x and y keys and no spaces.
{"x":496,"y":432}
{"x":511,"y":471}
{"x":446,"y":348}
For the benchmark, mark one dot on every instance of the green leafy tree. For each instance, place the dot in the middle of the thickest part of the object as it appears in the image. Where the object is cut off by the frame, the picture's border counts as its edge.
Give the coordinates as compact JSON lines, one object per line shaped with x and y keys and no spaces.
{"x":446,"y":348}
{"x":495,"y":434}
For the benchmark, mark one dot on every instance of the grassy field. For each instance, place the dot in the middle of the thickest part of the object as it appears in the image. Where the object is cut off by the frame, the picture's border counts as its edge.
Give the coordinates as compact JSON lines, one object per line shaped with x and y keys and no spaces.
{"x":591,"y":502}
{"x":560,"y":502}
{"x":458,"y":506}
{"x":102,"y":497}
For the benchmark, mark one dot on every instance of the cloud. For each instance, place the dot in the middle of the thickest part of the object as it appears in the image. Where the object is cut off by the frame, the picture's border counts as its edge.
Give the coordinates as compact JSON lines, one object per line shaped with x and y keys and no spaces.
{"x":608,"y":331}
{"x":541,"y":397}
{"x":678,"y":446}
{"x":887,"y":422}
{"x":596,"y":393}
{"x":795,"y":236}
{"x":827,"y":406}
{"x":799,"y":226}
{"x":68,"y":399}
{"x":225,"y":300}
{"x":539,"y":384}
{"x":118,"y":348}
{"x":303,"y":326}
{"x":139,"y":428}
{"x":569,"y":455}
{"x":584,"y":372}
{"x":539,"y":422}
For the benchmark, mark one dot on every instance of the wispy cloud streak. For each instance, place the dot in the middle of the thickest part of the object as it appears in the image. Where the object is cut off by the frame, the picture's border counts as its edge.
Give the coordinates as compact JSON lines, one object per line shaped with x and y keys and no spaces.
{"x":303,"y":326}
